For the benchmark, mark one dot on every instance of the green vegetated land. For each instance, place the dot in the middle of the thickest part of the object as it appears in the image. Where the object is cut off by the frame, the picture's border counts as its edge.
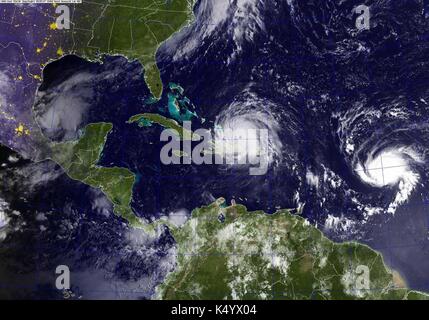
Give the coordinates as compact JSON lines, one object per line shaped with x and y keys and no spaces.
{"x":79,"y":160}
{"x":134,"y":28}
{"x":164,"y":122}
{"x":252,"y":255}
{"x":248,"y":255}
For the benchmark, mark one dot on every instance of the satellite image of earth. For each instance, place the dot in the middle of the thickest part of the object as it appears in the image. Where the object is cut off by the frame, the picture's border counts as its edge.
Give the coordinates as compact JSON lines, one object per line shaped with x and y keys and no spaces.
{"x":321,"y":192}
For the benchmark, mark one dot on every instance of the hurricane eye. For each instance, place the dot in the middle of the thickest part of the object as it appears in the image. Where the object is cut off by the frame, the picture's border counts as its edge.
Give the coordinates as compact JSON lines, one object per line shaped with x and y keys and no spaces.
{"x":392,"y":168}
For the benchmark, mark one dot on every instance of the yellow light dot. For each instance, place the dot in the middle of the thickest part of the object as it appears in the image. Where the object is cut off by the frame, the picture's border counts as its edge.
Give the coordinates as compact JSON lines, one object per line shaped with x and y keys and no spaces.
{"x":38,"y":50}
{"x":53,"y":26}
{"x":60,"y":52}
{"x":22,"y":130}
{"x":19,"y":129}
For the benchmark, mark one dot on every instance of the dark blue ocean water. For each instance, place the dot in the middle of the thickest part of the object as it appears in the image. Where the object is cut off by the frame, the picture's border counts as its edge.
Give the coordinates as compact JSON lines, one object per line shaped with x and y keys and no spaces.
{"x":57,"y":221}
{"x":302,"y":71}
{"x":308,"y":68}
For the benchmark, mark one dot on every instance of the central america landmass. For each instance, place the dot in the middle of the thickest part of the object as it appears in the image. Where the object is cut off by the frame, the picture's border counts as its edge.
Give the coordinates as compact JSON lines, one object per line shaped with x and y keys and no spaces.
{"x":120,"y":27}
{"x":31,"y":38}
{"x":226,"y":252}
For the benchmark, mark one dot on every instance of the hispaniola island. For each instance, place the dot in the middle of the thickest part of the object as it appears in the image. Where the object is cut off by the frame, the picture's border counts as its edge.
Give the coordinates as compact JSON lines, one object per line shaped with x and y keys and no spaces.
{"x":214,"y":150}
